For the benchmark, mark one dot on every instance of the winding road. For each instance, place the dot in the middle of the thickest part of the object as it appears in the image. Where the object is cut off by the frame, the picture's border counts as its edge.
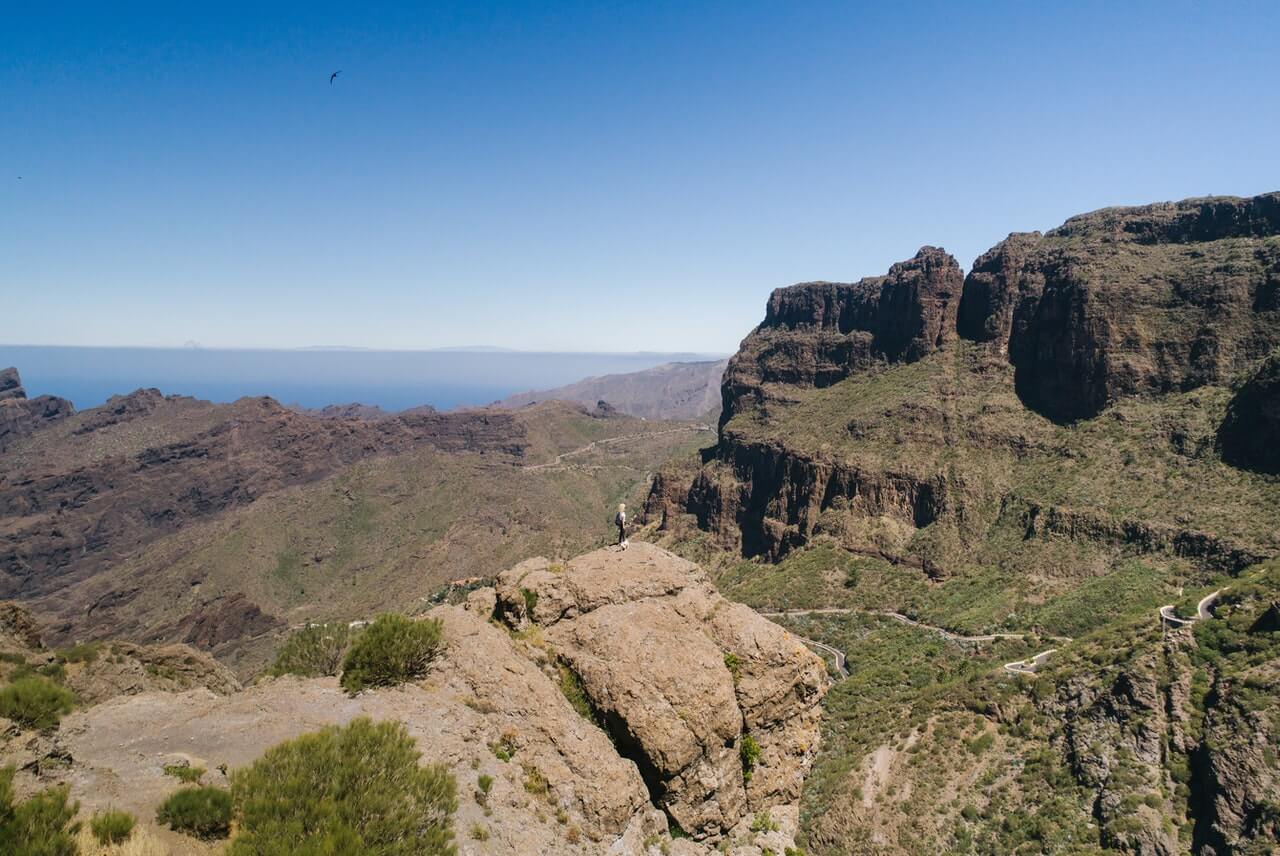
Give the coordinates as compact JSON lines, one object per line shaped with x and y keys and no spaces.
{"x":1028,"y":666}
{"x":1202,"y":610}
{"x":1018,"y":667}
{"x":1167,"y":616}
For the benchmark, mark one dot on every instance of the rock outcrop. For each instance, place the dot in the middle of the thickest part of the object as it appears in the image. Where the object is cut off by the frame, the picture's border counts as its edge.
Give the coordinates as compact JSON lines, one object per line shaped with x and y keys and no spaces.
{"x":818,"y":333}
{"x":680,"y":677}
{"x":19,"y":415}
{"x":1248,"y":435}
{"x":100,"y":671}
{"x":1131,"y":301}
{"x":643,"y":634}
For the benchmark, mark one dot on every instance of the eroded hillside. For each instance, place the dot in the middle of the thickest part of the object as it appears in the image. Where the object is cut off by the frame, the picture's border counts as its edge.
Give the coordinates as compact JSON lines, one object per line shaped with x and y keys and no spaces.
{"x":164,"y":518}
{"x":947,"y":479}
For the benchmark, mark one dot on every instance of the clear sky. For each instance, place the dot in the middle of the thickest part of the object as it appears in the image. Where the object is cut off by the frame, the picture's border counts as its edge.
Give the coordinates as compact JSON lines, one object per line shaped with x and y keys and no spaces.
{"x":608,"y":176}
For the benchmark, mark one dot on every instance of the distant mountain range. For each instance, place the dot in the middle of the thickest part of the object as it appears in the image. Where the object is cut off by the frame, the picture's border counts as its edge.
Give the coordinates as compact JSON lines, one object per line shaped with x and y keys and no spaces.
{"x":669,"y":391}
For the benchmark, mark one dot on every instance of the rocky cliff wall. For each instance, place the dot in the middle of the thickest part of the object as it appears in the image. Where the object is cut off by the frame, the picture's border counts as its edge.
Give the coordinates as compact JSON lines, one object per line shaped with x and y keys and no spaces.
{"x":1121,"y":303}
{"x":1131,"y":301}
{"x":816,"y":334}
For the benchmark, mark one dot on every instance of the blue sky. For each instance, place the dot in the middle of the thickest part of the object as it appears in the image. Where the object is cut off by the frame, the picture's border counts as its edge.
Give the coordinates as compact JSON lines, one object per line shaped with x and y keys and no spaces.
{"x":576,"y":176}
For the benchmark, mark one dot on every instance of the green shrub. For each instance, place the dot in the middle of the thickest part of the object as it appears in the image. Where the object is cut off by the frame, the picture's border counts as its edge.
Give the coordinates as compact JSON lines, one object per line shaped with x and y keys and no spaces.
{"x":981,"y":743}
{"x":534,"y":782}
{"x":184,"y":773}
{"x":357,"y":789}
{"x":392,"y":650}
{"x":733,"y":663}
{"x":54,"y":671}
{"x":38,"y":826}
{"x":111,"y":826}
{"x":201,"y":812}
{"x":749,"y":751}
{"x":504,"y":748}
{"x":35,"y":702}
{"x":313,"y":652}
{"x":762,"y":822}
{"x":85,"y":652}
{"x":530,"y":601}
{"x":571,"y":686}
{"x":483,"y":784}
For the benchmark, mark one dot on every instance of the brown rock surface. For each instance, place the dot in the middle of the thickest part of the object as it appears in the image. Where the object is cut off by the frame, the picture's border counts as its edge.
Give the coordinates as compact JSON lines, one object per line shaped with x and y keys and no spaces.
{"x":19,"y":415}
{"x":818,"y":333}
{"x":110,"y":482}
{"x":1248,"y":436}
{"x":1131,"y":301}
{"x":649,"y":639}
{"x":480,"y":690}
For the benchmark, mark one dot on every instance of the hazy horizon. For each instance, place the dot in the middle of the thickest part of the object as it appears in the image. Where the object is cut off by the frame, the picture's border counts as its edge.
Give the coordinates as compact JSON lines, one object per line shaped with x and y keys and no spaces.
{"x":576,"y":177}
{"x":392,"y":379}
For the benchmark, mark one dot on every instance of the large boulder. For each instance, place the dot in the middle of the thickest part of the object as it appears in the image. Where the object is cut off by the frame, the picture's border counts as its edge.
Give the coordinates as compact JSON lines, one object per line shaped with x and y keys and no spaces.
{"x":680,"y":676}
{"x":556,"y":786}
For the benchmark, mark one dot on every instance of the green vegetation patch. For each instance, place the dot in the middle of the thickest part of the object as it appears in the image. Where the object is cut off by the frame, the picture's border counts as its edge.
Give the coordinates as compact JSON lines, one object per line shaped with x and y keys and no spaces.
{"x":184,"y":773}
{"x":85,"y":652}
{"x":36,"y":702}
{"x":111,"y":826}
{"x":314,"y":651}
{"x":749,"y":754}
{"x":392,"y":650}
{"x":355,"y":789}
{"x":203,"y":812}
{"x":41,"y":825}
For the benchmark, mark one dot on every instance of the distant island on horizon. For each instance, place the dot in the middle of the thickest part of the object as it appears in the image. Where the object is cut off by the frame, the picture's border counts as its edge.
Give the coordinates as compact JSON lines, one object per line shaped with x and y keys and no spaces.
{"x":315,"y":377}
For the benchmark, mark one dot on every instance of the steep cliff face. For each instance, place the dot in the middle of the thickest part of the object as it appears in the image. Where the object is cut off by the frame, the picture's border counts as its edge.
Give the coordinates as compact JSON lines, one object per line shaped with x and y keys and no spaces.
{"x":1248,"y":435}
{"x":818,"y":333}
{"x":19,"y":415}
{"x":1131,"y":301}
{"x":854,"y":410}
{"x":1036,"y":487}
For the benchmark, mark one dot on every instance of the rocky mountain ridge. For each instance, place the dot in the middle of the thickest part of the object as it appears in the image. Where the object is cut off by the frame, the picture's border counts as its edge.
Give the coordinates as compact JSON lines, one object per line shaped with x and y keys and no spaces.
{"x":160,"y":518}
{"x":20,"y":415}
{"x":1167,"y":300}
{"x":1082,"y":442}
{"x":668,"y":391}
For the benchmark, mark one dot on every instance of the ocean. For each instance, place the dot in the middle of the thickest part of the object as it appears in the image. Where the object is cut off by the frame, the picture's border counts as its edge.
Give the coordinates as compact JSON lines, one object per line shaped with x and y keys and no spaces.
{"x":393,"y":380}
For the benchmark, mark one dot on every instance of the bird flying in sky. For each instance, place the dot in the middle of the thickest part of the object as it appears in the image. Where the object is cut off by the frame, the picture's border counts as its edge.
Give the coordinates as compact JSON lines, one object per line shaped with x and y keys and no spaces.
{"x":334,"y":76}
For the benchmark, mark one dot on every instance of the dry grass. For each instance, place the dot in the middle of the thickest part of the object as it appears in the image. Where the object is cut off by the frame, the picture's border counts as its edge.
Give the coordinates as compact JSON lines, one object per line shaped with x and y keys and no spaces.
{"x":144,"y":841}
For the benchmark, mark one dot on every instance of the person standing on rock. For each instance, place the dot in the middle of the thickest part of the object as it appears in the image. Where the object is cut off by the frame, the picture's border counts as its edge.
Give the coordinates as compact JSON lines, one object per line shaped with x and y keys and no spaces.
{"x":620,"y":520}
